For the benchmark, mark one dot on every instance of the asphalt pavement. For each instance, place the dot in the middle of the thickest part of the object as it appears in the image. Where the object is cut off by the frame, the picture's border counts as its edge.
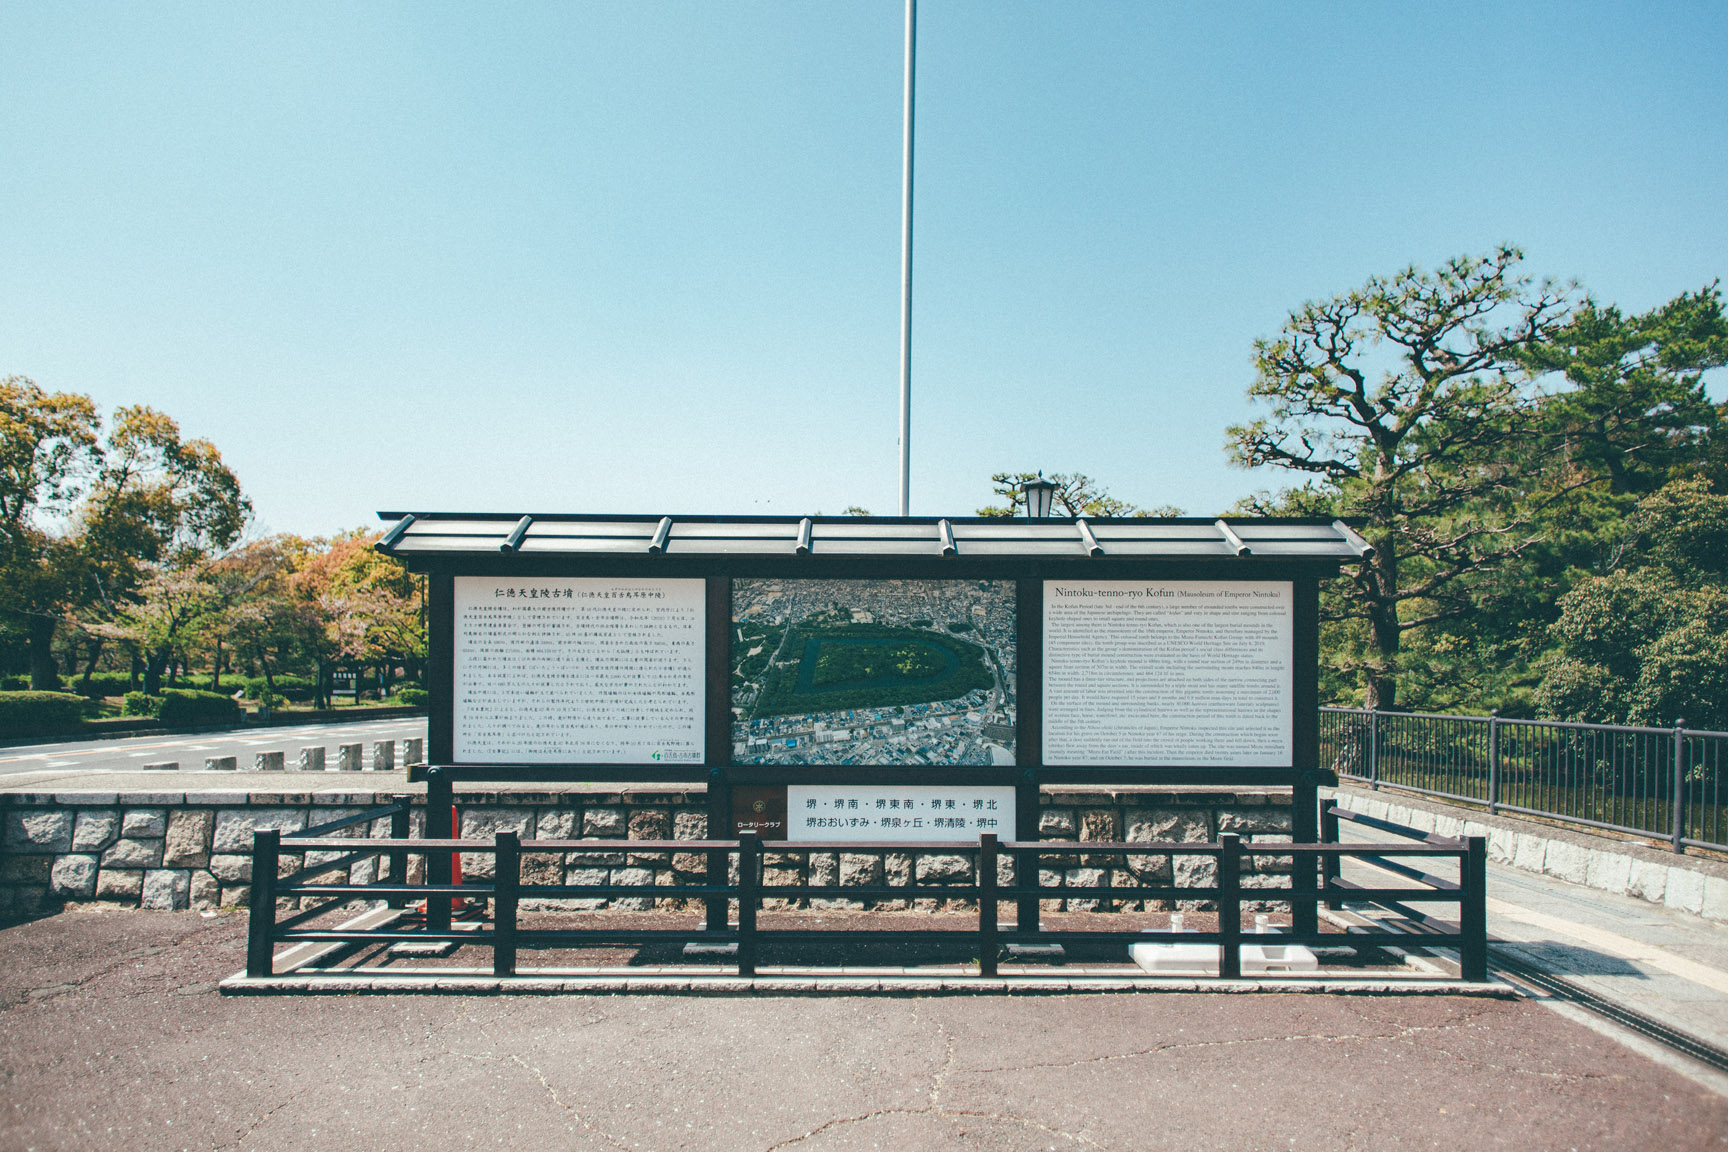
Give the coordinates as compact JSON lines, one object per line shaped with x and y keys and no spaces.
{"x":50,"y":764}
{"x":112,"y":1035}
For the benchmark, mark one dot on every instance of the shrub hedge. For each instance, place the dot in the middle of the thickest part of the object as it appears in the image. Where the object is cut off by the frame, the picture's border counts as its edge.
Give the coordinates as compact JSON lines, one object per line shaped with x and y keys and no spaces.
{"x":30,"y":713}
{"x":181,"y":706}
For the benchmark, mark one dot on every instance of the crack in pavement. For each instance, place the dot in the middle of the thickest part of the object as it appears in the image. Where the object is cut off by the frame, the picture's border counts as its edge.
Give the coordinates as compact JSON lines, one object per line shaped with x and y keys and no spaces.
{"x":551,"y":1092}
{"x":936,"y":1108}
{"x":253,"y":1127}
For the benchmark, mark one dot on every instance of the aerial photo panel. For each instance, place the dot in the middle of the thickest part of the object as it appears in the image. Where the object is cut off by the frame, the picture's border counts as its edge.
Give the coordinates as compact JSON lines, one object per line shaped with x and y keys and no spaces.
{"x":903,"y":672}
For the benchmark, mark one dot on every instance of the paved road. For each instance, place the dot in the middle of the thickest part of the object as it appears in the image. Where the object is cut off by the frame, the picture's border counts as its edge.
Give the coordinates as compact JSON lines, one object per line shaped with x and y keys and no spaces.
{"x":112,"y":1036}
{"x":55,"y":762}
{"x":1668,"y":965}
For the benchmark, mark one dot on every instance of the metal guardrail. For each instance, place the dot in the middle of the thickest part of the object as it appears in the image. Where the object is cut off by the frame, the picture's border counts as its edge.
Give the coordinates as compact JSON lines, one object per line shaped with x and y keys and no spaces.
{"x":1666,"y":783}
{"x":735,"y":880}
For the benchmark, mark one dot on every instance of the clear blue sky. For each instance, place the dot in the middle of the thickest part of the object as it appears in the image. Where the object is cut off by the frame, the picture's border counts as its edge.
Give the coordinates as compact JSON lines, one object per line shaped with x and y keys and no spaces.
{"x":644,"y":257}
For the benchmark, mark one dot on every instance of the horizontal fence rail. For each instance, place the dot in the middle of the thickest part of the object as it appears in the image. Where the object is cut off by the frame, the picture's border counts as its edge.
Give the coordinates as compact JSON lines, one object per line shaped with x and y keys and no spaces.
{"x":736,"y":887}
{"x":1665,"y":783}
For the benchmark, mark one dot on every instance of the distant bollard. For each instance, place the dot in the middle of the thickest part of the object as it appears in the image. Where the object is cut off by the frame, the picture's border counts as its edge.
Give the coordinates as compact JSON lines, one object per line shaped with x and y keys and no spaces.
{"x":168,"y":766}
{"x":268,"y":762}
{"x":312,"y":759}
{"x":413,"y":752}
{"x":348,"y":757}
{"x":221,"y":763}
{"x":384,"y":756}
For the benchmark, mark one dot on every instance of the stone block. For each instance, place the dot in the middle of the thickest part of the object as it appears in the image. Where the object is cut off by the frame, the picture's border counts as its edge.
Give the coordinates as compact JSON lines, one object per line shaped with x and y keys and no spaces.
{"x":593,"y":859}
{"x":1169,"y":826}
{"x":270,"y":762}
{"x":861,"y":868}
{"x":1685,"y":891}
{"x":1715,"y":898}
{"x":691,"y":863}
{"x":1567,"y":861}
{"x":1268,"y":864}
{"x":144,"y":823}
{"x":1648,"y":881}
{"x":311,"y":760}
{"x":792,"y":860}
{"x":206,"y":892}
{"x":1056,"y":823}
{"x":413,"y":752}
{"x":542,"y":868}
{"x":384,"y":756}
{"x":231,"y":869}
{"x":1608,"y":871}
{"x":1195,"y":872}
{"x":824,"y":868}
{"x":484,"y":823}
{"x":236,"y":896}
{"x":349,"y":756}
{"x":1084,"y":878}
{"x":96,"y":829}
{"x":897,"y":866}
{"x":25,"y":869}
{"x":603,"y":823}
{"x":73,"y":877}
{"x":650,"y":824}
{"x":649,"y":860}
{"x":587,"y":876}
{"x":38,"y":830}
{"x":188,"y":842}
{"x":363,"y":871}
{"x":555,"y":824}
{"x":1254,"y":821}
{"x":1502,"y":845}
{"x":1099,"y":824}
{"x":234,"y":826}
{"x":167,"y":890}
{"x":944,"y":869}
{"x":221,"y":763}
{"x":689,"y":825}
{"x":1530,"y":850}
{"x":636,"y":878}
{"x":121,"y":885}
{"x":133,"y":854}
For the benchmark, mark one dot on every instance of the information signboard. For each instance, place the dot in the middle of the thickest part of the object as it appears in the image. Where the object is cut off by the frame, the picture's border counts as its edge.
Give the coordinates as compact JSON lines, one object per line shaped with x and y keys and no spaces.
{"x":1168,"y":672}
{"x":578,"y":670}
{"x":910,"y":812}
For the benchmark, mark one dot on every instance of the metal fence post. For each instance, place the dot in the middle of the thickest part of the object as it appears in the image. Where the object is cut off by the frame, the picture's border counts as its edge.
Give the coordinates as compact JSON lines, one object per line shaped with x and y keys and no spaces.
{"x":1328,"y":862}
{"x":1026,"y":877}
{"x":749,"y":893}
{"x":506,"y":879}
{"x":987,"y":945}
{"x":1374,"y":749}
{"x":1229,"y":906}
{"x":1678,"y":767}
{"x":261,"y":915}
{"x":1494,"y":761}
{"x":1473,"y":910}
{"x":398,"y":857}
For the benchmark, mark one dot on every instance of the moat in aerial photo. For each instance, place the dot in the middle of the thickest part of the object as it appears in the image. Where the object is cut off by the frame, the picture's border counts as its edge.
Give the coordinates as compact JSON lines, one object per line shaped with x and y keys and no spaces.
{"x":873,"y":672}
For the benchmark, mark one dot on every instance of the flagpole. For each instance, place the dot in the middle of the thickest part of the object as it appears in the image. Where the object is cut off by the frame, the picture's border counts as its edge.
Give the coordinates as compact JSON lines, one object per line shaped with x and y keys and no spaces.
{"x":906,"y":268}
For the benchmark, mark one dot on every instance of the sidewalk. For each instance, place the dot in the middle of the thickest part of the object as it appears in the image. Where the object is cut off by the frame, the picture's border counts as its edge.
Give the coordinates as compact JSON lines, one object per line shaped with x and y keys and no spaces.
{"x":1688,"y":883}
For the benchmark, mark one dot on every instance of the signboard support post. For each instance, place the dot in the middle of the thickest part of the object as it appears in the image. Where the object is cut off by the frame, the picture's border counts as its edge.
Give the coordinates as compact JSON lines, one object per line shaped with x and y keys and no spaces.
{"x":987,"y":904}
{"x":719,"y":828}
{"x":440,"y":796}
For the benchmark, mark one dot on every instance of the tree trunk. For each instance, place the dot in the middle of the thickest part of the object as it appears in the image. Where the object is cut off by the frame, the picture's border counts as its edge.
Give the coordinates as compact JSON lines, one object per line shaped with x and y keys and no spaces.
{"x":94,"y":647}
{"x":135,"y":671}
{"x":216,"y":668}
{"x":154,"y":666}
{"x":1383,"y":630}
{"x":44,"y":670}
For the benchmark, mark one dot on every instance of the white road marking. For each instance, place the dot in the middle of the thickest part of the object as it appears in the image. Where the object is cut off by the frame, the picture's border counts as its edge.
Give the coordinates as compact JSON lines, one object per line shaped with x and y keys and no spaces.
{"x":1616,"y":945}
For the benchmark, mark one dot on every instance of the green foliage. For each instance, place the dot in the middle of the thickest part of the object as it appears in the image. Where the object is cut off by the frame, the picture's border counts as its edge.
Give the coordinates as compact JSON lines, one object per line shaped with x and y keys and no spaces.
{"x":298,"y":689}
{"x":781,"y":697}
{"x":1647,"y":643}
{"x":413,"y":697}
{"x":138,"y":704}
{"x":841,"y":663}
{"x":190,"y":708}
{"x":40,"y":713}
{"x":1076,"y":494}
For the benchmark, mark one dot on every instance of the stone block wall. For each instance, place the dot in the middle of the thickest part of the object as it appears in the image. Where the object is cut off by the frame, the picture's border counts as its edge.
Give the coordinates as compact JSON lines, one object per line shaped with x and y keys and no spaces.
{"x":176,"y":850}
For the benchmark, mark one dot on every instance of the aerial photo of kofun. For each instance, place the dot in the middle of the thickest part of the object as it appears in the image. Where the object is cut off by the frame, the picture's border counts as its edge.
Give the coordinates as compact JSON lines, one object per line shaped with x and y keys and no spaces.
{"x":873,"y":672}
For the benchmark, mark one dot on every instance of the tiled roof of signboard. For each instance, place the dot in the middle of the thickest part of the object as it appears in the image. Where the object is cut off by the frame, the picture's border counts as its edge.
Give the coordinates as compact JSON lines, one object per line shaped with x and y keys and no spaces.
{"x":448,"y":533}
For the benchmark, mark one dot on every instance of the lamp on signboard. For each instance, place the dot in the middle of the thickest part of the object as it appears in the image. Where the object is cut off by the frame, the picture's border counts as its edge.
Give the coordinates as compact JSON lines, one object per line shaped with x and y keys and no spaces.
{"x":1037,"y":495}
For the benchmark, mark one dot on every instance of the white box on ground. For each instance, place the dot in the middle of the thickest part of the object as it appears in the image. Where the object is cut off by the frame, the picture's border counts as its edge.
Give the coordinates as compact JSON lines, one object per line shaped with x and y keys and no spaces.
{"x":1202,"y":959}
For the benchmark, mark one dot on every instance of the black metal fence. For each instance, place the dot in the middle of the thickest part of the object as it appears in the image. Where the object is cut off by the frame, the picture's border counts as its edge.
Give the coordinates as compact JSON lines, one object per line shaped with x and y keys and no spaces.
{"x":1666,"y":783}
{"x":734,"y":892}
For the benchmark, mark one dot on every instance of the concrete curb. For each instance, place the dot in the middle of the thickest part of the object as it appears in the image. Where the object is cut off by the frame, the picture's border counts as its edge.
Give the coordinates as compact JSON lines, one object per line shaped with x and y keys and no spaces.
{"x":1690,"y":884}
{"x":472,"y":983}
